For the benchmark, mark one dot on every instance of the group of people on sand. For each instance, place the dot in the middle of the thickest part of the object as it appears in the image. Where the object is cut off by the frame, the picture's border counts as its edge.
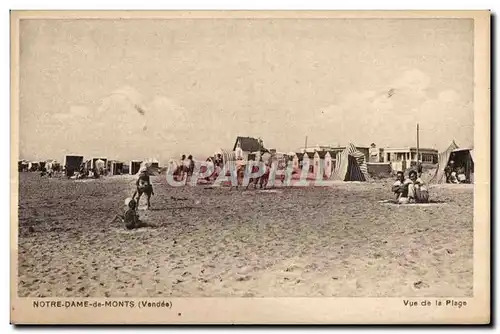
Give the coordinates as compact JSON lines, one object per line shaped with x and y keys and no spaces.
{"x":143,"y":187}
{"x":455,"y":174}
{"x":186,"y":167}
{"x":411,"y":189}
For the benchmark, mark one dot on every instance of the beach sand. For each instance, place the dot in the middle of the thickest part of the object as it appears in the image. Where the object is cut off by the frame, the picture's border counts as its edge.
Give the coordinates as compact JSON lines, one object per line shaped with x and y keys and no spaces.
{"x":297,"y":241}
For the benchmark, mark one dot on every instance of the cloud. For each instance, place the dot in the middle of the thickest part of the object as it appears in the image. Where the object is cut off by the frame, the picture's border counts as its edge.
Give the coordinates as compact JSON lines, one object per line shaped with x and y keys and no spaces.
{"x":389,"y":116}
{"x":115,"y":128}
{"x":448,"y":96}
{"x":125,"y":96}
{"x":414,"y":81}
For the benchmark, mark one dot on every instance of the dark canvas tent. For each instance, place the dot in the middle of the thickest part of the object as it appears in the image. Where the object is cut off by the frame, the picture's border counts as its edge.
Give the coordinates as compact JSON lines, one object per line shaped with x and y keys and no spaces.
{"x":72,"y":164}
{"x":350,"y":165}
{"x":115,"y":167}
{"x":461,"y":157}
{"x":134,"y":167}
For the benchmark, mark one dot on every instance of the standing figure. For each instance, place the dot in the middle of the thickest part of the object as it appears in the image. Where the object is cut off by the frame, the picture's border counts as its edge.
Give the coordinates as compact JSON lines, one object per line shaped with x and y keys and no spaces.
{"x":143,"y":186}
{"x":190,"y":166}
{"x":181,"y":167}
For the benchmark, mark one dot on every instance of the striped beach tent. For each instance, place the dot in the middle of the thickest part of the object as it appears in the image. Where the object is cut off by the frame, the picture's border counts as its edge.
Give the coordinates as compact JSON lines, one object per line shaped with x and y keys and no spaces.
{"x":443,"y":157}
{"x":350,"y":165}
{"x":228,"y":157}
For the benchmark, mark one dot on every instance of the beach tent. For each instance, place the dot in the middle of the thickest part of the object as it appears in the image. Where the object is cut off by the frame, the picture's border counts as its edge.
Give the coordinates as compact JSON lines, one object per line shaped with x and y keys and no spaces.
{"x":350,"y":165}
{"x":228,"y":156}
{"x":115,"y":167}
{"x":72,"y":163}
{"x":461,"y":157}
{"x":52,"y":164}
{"x":100,"y":166}
{"x":97,"y":163}
{"x":443,"y":159}
{"x":22,"y":165}
{"x":134,"y":167}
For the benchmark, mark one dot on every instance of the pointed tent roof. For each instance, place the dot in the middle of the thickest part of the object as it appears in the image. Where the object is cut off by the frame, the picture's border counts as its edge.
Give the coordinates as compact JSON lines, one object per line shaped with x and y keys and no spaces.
{"x":350,"y":165}
{"x":322,"y":154}
{"x":310,"y":155}
{"x":443,"y":160}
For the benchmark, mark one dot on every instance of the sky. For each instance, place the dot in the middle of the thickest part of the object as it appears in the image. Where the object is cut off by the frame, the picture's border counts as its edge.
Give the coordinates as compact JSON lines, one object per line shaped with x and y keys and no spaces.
{"x":202,"y":82}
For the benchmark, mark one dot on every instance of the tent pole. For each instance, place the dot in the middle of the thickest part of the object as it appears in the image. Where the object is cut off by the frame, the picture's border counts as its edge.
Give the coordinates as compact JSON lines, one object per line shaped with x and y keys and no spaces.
{"x":418,"y":144}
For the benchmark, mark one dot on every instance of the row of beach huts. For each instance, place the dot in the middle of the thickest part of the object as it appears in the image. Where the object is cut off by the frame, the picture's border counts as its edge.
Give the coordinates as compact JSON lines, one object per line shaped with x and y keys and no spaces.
{"x":354,"y":162}
{"x":346,"y":163}
{"x":358,"y":163}
{"x":76,"y":163}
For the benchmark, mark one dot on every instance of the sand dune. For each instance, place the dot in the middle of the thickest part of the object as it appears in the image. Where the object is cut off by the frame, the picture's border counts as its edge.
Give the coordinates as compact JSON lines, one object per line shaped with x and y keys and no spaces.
{"x":298,"y":241}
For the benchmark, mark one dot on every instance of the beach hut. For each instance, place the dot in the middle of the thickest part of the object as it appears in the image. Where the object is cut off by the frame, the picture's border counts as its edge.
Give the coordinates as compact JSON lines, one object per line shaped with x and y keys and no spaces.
{"x":33,"y":166}
{"x":72,"y":164}
{"x":115,"y":167}
{"x":22,"y":166}
{"x":228,"y":156}
{"x":100,"y":166}
{"x":350,"y":165}
{"x":308,"y":160}
{"x":102,"y":160}
{"x":53,"y":165}
{"x":134,"y":166}
{"x":125,"y":169}
{"x":322,"y":162}
{"x":88,"y":165}
{"x":300,"y":157}
{"x":295,"y":160}
{"x":326,"y":160}
{"x":317,"y":161}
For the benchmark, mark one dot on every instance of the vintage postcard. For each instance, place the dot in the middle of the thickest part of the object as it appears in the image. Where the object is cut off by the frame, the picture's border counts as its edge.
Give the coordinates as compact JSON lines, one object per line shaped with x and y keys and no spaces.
{"x":250,"y":167}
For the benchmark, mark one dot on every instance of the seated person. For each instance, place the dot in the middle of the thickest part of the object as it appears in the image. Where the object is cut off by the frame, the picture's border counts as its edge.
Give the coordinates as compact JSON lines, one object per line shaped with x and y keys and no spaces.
{"x":461,"y":175}
{"x":453,"y":177}
{"x":400,"y":188}
{"x":417,"y":191}
{"x":131,"y":218}
{"x":451,"y":172}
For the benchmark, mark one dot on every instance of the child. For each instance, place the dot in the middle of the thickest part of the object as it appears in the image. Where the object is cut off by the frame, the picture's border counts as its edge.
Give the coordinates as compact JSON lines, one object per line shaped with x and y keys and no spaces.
{"x":131,"y":217}
{"x":461,"y":175}
{"x":143,"y":182}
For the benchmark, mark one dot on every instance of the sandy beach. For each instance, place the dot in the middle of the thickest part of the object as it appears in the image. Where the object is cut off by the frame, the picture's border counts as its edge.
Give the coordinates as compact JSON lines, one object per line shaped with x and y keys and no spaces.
{"x":298,"y":241}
